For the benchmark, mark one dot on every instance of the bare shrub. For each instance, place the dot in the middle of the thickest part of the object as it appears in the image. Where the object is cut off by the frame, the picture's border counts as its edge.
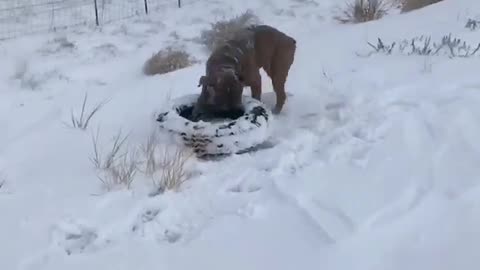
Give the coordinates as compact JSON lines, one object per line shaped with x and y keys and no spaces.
{"x":409,"y":5}
{"x":472,"y":24}
{"x":81,"y":121}
{"x":224,"y":30}
{"x":422,"y":45}
{"x":171,"y":173}
{"x":118,"y":166}
{"x":359,"y":11}
{"x":167,"y":60}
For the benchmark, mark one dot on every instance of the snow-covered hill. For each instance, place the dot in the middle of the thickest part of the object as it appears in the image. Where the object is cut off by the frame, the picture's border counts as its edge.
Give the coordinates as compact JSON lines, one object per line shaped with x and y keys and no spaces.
{"x":375,"y":163}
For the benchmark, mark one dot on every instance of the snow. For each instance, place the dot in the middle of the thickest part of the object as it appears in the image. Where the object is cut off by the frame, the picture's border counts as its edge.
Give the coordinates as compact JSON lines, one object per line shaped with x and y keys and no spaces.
{"x":374,"y":164}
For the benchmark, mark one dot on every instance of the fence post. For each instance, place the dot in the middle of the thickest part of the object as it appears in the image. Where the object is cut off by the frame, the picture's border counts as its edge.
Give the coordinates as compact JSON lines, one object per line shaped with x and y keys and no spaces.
{"x":52,"y":21}
{"x":179,"y":3}
{"x":96,"y":12}
{"x":146,"y":6}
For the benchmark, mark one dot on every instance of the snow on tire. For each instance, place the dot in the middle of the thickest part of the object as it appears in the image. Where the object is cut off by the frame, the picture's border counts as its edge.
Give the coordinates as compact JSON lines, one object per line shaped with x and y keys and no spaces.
{"x":217,"y":138}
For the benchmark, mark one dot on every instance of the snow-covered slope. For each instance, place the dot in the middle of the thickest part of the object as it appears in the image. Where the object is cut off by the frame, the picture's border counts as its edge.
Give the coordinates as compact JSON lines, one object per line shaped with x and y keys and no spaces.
{"x":375,"y":163}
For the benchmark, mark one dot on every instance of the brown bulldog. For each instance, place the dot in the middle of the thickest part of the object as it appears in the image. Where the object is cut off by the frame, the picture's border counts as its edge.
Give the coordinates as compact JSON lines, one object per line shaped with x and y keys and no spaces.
{"x":237,"y":64}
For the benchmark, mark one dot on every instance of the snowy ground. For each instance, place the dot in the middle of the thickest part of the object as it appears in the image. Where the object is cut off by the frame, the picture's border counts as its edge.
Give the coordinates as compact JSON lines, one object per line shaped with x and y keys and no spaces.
{"x":375,"y":164}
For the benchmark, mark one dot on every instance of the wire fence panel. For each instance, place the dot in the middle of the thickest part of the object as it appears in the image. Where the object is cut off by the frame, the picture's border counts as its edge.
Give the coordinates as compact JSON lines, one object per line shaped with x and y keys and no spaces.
{"x":115,"y":10}
{"x":23,"y":17}
{"x":159,"y":4}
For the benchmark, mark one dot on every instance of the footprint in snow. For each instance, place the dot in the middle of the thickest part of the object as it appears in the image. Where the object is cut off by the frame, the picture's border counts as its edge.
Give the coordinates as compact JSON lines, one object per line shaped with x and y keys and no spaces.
{"x":147,"y":216}
{"x":171,"y":236}
{"x":244,"y":188}
{"x":73,"y":237}
{"x":146,"y":224}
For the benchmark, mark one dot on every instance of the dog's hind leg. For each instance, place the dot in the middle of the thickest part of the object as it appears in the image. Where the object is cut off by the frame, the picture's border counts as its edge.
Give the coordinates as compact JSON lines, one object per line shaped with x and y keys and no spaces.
{"x":278,"y":82}
{"x":280,"y":67}
{"x":282,"y":60}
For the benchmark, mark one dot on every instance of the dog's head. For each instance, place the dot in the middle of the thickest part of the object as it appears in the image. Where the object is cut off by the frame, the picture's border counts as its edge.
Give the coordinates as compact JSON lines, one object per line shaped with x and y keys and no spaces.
{"x":221,"y":91}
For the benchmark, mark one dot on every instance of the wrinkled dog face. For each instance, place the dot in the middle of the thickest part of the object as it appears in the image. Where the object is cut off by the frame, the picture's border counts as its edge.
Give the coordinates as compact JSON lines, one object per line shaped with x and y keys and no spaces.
{"x":221,"y":93}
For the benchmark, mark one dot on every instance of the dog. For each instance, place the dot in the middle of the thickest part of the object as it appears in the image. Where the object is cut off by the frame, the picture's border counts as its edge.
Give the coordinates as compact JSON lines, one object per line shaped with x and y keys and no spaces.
{"x":236,"y":64}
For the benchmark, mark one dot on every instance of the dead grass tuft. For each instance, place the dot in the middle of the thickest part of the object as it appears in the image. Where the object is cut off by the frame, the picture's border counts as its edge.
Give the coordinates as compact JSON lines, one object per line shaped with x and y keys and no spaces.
{"x":149,"y":151}
{"x":167,"y":60}
{"x":118,"y":166}
{"x":122,"y":173}
{"x":171,"y":173}
{"x":164,"y":164}
{"x":81,"y":121}
{"x":409,"y":5}
{"x":359,"y":11}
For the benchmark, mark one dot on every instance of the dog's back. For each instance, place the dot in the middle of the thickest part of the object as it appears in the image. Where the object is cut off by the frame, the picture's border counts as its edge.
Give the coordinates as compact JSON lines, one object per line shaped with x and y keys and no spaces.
{"x":268,"y":41}
{"x":231,"y":55}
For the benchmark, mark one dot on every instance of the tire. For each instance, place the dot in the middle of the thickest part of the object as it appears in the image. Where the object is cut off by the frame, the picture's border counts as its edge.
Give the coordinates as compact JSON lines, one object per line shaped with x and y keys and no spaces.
{"x":217,"y":138}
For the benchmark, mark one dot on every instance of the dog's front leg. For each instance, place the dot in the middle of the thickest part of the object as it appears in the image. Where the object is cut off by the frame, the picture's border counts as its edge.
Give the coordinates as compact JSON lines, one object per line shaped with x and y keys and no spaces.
{"x":256,"y":86}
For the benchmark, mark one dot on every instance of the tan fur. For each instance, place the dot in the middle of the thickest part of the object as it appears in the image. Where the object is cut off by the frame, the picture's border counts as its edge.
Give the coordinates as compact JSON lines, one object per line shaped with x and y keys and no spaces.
{"x":275,"y":53}
{"x":237,"y":64}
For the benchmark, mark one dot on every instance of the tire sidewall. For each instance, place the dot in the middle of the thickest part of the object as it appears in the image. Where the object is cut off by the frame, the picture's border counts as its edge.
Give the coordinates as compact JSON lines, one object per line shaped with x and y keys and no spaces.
{"x":226,"y":137}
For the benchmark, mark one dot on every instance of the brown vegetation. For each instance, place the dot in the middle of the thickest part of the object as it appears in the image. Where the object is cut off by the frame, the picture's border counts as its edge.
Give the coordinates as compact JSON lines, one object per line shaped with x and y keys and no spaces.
{"x":409,"y":5}
{"x":359,"y":11}
{"x":167,"y":60}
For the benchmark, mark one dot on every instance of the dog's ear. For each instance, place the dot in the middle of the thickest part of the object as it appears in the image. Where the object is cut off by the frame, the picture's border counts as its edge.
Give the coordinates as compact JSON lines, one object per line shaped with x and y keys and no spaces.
{"x":202,"y":81}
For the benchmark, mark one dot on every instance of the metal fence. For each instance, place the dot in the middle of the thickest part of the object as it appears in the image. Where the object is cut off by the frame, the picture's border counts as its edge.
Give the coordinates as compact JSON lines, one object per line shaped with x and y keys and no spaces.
{"x":23,"y":17}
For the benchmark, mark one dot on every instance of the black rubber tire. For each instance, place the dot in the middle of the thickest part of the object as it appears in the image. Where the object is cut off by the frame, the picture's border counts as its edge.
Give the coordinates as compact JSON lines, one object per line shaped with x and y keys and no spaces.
{"x":213,"y":138}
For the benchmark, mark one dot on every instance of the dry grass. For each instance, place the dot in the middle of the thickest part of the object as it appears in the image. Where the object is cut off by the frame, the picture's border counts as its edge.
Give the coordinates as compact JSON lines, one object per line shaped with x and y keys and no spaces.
{"x":2,"y":181}
{"x":171,"y":173}
{"x":409,"y":5}
{"x":452,"y":47}
{"x":122,"y":173}
{"x":359,"y":11}
{"x":167,"y":60}
{"x":118,"y":166}
{"x":224,"y":30}
{"x":165,"y":165}
{"x":149,"y":149}
{"x":106,"y":162}
{"x":81,"y":121}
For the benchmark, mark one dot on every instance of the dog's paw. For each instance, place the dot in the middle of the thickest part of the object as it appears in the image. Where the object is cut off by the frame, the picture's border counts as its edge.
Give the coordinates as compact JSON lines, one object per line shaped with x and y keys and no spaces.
{"x":276,"y":110}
